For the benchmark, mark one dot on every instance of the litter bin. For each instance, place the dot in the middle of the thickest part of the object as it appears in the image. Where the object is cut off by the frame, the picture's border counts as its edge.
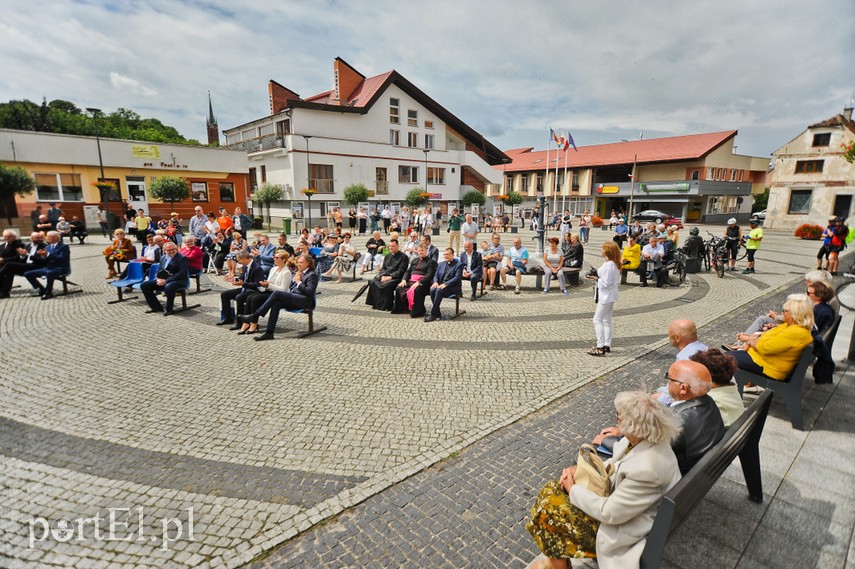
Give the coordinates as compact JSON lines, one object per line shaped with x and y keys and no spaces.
{"x":258,"y":223}
{"x":286,"y":226}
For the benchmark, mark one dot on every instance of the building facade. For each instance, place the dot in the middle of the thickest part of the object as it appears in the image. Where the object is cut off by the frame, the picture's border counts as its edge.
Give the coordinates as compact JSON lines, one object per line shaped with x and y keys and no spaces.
{"x":812,"y":180}
{"x":697,"y":178}
{"x":65,"y":168}
{"x":382,"y":132}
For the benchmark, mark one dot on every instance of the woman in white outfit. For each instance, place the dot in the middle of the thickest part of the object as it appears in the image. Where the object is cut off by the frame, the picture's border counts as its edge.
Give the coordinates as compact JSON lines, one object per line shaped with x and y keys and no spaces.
{"x":608,"y":279}
{"x":278,"y":279}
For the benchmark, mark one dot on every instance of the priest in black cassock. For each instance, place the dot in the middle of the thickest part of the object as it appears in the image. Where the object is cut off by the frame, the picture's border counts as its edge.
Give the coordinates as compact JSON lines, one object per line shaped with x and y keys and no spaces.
{"x":381,"y":289}
{"x":415,"y":286}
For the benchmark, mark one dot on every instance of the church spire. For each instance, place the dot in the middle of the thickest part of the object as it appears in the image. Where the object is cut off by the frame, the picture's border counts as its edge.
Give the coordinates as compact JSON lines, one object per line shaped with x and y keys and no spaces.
{"x":213,"y":127}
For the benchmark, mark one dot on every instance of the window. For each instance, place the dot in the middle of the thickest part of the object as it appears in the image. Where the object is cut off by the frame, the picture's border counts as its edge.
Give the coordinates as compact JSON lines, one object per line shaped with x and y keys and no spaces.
{"x":733,"y":175}
{"x":253,"y":179}
{"x":722,"y":204}
{"x":394,"y":137}
{"x":382,"y":181}
{"x":227,"y":192}
{"x":808,"y":166}
{"x":283,"y":127}
{"x":710,"y":173}
{"x":199,"y":191}
{"x":799,"y":201}
{"x":823,"y":139}
{"x":576,"y":181}
{"x":539,"y":183}
{"x":412,"y":117}
{"x":413,"y":139}
{"x":428,"y":141}
{"x":408,"y":174}
{"x":436,"y":176}
{"x":428,"y":124}
{"x":263,"y":173}
{"x":394,"y":111}
{"x":524,"y":183}
{"x":59,"y":187}
{"x":509,"y":183}
{"x":695,"y":174}
{"x":321,"y":178}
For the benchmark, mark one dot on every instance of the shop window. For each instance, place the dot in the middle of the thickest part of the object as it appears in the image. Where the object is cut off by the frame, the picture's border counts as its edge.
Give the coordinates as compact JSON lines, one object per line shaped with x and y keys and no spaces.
{"x":199,"y":191}
{"x":800,"y":201}
{"x":227,"y":192}
{"x":58,"y":188}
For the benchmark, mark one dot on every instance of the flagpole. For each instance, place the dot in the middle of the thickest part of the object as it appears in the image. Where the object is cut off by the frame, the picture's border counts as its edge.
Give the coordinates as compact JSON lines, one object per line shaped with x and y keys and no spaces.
{"x":632,"y":187}
{"x":555,"y":179}
{"x":564,"y":199}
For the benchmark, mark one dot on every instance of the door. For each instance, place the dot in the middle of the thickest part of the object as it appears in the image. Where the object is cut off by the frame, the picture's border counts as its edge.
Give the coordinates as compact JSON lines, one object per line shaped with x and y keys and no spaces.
{"x":136,"y":194}
{"x":842,"y":205}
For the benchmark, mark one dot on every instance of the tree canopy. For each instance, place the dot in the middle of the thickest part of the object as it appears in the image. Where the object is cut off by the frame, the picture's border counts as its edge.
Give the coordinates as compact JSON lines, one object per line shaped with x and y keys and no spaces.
{"x":355,"y":193}
{"x":471,"y":197}
{"x":169,"y":189}
{"x":63,"y":117}
{"x":14,"y":181}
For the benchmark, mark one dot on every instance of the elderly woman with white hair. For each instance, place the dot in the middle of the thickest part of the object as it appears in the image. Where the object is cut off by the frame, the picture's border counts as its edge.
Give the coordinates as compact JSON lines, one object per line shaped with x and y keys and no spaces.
{"x":570,"y":521}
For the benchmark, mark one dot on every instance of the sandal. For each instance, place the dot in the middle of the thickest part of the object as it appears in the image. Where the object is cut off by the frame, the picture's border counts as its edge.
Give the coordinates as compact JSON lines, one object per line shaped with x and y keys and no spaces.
{"x":597,"y":351}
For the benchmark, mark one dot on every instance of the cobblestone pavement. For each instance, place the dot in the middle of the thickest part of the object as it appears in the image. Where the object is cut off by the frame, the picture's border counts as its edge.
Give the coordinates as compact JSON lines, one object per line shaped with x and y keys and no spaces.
{"x":104,"y":407}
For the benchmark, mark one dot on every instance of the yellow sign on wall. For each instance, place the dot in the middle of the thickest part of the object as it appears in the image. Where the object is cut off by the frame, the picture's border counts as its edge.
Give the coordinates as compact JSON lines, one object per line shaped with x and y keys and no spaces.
{"x":145,"y":151}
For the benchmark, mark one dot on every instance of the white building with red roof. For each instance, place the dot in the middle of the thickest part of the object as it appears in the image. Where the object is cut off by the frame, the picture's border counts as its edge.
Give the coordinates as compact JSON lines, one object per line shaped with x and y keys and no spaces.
{"x":697,"y":177}
{"x":812,"y":180}
{"x":379,"y":131}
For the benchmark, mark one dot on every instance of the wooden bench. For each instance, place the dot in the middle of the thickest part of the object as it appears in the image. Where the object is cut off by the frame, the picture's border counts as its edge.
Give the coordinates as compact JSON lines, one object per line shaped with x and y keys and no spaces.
{"x":789,"y":389}
{"x":742,"y":439}
{"x":198,"y":278}
{"x":571,"y":275}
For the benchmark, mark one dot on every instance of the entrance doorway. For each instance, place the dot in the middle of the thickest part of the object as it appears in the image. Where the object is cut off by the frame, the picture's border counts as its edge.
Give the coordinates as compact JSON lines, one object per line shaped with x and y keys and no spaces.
{"x":136,"y":194}
{"x":842,"y":205}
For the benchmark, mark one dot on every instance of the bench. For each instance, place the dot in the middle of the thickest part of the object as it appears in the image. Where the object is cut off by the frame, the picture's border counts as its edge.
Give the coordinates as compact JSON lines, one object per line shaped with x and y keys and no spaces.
{"x":133,"y":277}
{"x":571,"y":275}
{"x":65,"y":282}
{"x":312,"y":330}
{"x":742,"y":439}
{"x":789,"y":389}
{"x":197,"y":276}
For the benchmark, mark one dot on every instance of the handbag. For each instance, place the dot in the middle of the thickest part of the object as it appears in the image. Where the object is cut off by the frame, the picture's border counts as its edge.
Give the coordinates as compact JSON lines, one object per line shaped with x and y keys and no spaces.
{"x":592,"y":472}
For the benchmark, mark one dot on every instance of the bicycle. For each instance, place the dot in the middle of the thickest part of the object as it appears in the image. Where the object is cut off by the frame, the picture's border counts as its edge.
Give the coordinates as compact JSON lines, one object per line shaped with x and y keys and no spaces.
{"x":675,"y":268}
{"x":715,"y":254}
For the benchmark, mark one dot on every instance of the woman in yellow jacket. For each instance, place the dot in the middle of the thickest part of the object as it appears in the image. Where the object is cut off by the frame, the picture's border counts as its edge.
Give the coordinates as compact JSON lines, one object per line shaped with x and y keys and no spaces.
{"x":777,"y":351}
{"x":631,"y":255}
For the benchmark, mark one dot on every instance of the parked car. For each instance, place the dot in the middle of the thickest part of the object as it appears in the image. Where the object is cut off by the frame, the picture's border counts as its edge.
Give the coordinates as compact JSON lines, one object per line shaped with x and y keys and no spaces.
{"x":759,"y":215}
{"x":657,"y":217}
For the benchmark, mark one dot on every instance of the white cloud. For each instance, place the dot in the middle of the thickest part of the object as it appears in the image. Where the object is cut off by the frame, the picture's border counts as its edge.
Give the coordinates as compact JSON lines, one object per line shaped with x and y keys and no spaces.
{"x":604,"y":70}
{"x":125,"y":83}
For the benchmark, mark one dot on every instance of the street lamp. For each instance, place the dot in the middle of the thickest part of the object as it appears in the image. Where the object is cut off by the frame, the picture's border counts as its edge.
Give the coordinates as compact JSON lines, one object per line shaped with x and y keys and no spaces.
{"x":541,"y":220}
{"x":95,"y":114}
{"x":308,"y":179}
{"x":426,"y":150}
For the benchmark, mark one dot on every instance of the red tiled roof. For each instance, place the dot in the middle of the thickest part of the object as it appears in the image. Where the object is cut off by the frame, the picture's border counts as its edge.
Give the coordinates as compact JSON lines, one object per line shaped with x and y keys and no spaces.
{"x":674,"y":148}
{"x":361,"y":95}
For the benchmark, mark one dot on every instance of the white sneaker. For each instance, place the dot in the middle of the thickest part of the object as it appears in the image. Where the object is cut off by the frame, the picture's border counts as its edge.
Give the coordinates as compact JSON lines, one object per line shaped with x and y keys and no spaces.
{"x":754,"y":389}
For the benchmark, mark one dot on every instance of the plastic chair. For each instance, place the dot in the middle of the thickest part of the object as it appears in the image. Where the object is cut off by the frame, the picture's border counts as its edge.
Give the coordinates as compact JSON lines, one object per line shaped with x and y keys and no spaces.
{"x":133,"y":277}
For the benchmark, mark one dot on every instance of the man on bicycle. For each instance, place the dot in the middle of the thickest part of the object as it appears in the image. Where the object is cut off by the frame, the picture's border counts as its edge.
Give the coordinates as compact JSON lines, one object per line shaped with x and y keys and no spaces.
{"x":733,"y":237}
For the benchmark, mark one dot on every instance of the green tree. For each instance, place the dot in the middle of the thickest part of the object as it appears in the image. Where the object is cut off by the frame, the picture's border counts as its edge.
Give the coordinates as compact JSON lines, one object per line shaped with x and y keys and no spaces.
{"x":14,"y":181}
{"x":513,"y":198}
{"x":169,"y":189}
{"x":355,"y":193}
{"x":760,"y":201}
{"x":473,"y":197}
{"x":417,"y":197}
{"x":267,"y":194}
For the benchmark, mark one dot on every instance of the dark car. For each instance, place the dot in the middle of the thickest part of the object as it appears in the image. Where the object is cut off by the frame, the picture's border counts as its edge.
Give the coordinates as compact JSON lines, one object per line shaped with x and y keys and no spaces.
{"x":654,"y":215}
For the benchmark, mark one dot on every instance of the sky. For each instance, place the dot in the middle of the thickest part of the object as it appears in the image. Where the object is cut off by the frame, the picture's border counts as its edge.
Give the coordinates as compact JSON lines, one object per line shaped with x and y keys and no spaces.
{"x":602,"y":70}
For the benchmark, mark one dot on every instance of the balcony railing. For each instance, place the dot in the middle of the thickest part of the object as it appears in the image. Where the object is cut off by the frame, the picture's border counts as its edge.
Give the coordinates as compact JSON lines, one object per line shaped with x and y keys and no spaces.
{"x":382,"y":186}
{"x":260,"y":144}
{"x":321,"y":185}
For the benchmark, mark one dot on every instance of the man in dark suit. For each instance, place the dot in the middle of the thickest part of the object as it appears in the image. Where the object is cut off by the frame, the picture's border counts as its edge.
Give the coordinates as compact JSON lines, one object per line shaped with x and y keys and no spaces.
{"x":446,"y":282}
{"x":27,"y":259}
{"x":56,"y":258}
{"x":173,"y":274}
{"x":8,"y":254}
{"x":432,"y":251}
{"x":473,"y":266}
{"x":301,"y":296}
{"x":381,"y":289}
{"x":253,"y":273}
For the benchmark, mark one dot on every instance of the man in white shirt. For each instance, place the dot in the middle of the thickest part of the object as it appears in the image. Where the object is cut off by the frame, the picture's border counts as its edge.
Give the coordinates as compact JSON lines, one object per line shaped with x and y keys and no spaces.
{"x":469,"y":230}
{"x":197,"y":224}
{"x":651,"y":262}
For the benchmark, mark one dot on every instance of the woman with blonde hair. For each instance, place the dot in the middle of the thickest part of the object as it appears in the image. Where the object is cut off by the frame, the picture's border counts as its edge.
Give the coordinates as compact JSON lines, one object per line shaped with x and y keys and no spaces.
{"x":122,"y":250}
{"x":608,"y":279}
{"x":776,"y":352}
{"x":569,"y":521}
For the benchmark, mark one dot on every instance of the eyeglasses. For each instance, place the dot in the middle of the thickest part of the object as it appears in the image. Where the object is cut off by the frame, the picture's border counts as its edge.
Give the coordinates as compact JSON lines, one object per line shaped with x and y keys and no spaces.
{"x":677,"y":381}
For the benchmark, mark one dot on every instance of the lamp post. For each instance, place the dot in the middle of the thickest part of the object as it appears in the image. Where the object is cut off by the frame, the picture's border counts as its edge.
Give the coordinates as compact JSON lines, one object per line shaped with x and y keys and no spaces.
{"x":308,"y":179}
{"x":541,"y":219}
{"x":426,"y":150}
{"x":95,"y":114}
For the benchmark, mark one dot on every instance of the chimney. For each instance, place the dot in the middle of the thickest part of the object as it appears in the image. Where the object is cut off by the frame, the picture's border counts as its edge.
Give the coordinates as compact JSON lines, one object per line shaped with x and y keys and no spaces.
{"x":847,"y":111}
{"x":346,"y":80}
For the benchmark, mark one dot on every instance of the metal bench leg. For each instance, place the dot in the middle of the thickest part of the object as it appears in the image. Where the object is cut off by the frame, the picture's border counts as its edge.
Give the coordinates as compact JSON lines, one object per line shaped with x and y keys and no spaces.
{"x":199,"y":288}
{"x":184,"y":306}
{"x":312,"y":330}
{"x":793,"y":401}
{"x":457,"y":311}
